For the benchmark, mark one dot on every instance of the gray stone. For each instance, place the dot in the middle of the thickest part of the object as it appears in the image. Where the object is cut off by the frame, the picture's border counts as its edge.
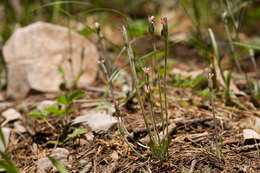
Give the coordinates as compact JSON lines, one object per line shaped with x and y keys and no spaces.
{"x":10,"y":115}
{"x":33,"y":54}
{"x":19,"y":127}
{"x":43,"y":164}
{"x":5,"y":105}
{"x":98,"y":122}
{"x":89,"y":136}
{"x":59,"y":154}
{"x":249,"y":134}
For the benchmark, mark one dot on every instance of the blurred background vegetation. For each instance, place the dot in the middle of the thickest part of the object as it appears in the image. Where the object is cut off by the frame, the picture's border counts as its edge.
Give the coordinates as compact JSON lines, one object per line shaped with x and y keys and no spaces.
{"x":188,"y":19}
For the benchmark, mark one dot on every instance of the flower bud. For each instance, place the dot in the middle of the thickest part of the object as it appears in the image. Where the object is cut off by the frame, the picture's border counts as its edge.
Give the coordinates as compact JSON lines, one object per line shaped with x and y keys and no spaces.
{"x":146,"y":89}
{"x":97,"y":25}
{"x":164,"y":21}
{"x":101,"y":61}
{"x":164,"y":31}
{"x":150,"y":19}
{"x":116,"y":102}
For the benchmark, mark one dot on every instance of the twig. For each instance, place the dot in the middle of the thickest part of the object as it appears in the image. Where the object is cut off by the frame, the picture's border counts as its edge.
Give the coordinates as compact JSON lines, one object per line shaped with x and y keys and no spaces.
{"x":193,"y":163}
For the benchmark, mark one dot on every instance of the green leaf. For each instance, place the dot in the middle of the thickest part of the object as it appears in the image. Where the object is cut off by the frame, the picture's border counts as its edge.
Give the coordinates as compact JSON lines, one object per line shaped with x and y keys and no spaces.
{"x":75,"y":133}
{"x":137,"y":28}
{"x":177,"y":80}
{"x":2,"y":137}
{"x":7,"y":163}
{"x":53,"y":109}
{"x":114,"y":75}
{"x":150,"y":55}
{"x":204,"y":93}
{"x":63,"y":100}
{"x":57,"y":164}
{"x":198,"y":81}
{"x":74,"y":95}
{"x":86,"y":31}
{"x":36,"y":113}
{"x":187,"y":82}
{"x":214,"y":44}
{"x":256,"y":47}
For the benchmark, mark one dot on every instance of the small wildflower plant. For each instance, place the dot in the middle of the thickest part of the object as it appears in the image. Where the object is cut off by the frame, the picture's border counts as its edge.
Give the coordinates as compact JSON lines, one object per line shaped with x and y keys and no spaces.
{"x":159,"y":142}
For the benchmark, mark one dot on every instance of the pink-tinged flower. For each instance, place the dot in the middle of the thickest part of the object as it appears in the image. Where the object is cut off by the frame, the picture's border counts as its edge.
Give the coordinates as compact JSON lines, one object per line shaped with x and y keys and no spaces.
{"x":101,"y":61}
{"x":224,"y":14}
{"x":146,"y":89}
{"x":123,"y":28}
{"x":97,"y":25}
{"x":150,"y":19}
{"x":119,"y":119}
{"x":164,"y":21}
{"x":210,"y":75}
{"x":146,"y":69}
{"x":116,"y":102}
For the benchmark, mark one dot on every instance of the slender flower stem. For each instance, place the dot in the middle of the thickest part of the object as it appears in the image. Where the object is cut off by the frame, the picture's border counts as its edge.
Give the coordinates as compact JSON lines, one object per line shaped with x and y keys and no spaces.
{"x":165,"y":88}
{"x":106,"y":66}
{"x":164,"y":34}
{"x":210,"y":84}
{"x":108,"y":71}
{"x":159,"y":86}
{"x":132,"y":64}
{"x":151,"y":108}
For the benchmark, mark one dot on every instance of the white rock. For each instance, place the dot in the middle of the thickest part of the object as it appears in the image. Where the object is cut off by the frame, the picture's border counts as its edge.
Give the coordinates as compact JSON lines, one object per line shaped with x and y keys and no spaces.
{"x":59,"y":154}
{"x":44,"y":104}
{"x":18,"y":126}
{"x":5,"y":105}
{"x":6,"y":133}
{"x":33,"y":54}
{"x":114,"y":156}
{"x":98,"y":122}
{"x":250,"y":134}
{"x":10,"y":115}
{"x":43,"y":164}
{"x":89,"y":136}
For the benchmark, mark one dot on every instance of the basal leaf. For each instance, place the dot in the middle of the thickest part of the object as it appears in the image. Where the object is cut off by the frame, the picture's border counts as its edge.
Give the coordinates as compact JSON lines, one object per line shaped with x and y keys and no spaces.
{"x":63,"y":100}
{"x":36,"y":113}
{"x":75,"y":133}
{"x":57,"y":164}
{"x":74,"y":95}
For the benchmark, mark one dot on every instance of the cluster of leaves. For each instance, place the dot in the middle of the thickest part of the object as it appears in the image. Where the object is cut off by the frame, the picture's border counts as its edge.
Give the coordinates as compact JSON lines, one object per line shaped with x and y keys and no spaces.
{"x":62,"y":108}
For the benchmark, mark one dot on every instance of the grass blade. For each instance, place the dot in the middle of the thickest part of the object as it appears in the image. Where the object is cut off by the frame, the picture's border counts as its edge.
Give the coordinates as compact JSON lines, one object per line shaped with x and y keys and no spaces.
{"x":57,"y":164}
